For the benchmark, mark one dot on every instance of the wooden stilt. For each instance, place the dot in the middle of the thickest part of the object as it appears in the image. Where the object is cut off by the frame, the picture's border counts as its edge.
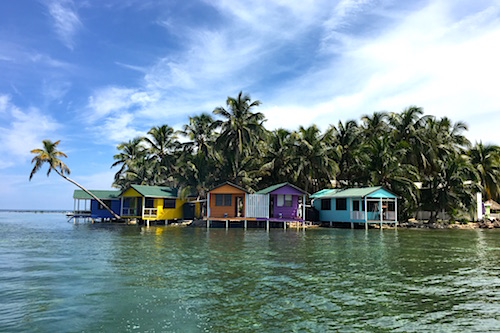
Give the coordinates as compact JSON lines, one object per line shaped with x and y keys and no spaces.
{"x":267,"y":225}
{"x":208,"y":223}
{"x":366,"y":225}
{"x":331,"y":224}
{"x":352,"y":225}
{"x":284,"y":225}
{"x":227,"y":224}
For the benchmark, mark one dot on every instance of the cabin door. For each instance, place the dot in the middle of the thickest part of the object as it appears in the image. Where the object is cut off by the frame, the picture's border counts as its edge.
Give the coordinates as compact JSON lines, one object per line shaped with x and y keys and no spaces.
{"x":238,"y":207}
{"x":271,"y":207}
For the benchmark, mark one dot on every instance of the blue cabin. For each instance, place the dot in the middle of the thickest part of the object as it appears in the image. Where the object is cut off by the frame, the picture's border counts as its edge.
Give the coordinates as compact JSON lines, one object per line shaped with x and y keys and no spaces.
{"x":97,"y":211}
{"x":357,"y":205}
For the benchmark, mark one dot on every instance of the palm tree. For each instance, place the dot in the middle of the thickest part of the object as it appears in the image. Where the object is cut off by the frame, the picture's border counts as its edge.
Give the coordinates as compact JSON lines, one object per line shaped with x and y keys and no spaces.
{"x":240,"y":131}
{"x":50,"y":155}
{"x":196,"y":162}
{"x":163,"y":145}
{"x":486,"y":160}
{"x":375,"y":126}
{"x":346,"y":142}
{"x":131,"y":153}
{"x":314,"y":166}
{"x":201,"y":133}
{"x":276,"y":166}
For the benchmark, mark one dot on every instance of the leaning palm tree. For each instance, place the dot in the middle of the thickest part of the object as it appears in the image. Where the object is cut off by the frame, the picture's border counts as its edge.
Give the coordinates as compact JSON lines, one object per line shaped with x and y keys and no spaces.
{"x":50,"y":155}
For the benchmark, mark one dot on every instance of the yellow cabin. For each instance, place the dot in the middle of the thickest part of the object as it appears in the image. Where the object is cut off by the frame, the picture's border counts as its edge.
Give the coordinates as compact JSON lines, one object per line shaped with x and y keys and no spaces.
{"x":153,"y":203}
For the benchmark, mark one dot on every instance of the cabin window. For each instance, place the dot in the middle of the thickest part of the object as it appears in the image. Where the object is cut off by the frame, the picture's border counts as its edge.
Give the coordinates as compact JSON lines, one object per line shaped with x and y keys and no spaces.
{"x":149,"y":203}
{"x":106,"y":202}
{"x":391,"y":206}
{"x":288,"y":200}
{"x":227,"y":199}
{"x":372,"y":206}
{"x":341,"y":204}
{"x":223,"y":199}
{"x":355,"y":206}
{"x":168,"y":203}
{"x":326,"y":204}
{"x":280,"y":198}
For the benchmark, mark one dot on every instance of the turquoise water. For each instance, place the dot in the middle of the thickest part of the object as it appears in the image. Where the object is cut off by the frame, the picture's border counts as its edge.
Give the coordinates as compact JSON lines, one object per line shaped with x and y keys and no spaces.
{"x":60,"y":277}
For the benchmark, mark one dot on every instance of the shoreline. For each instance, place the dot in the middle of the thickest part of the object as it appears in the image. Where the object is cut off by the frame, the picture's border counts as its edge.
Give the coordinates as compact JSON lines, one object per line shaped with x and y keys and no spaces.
{"x":447,"y":225}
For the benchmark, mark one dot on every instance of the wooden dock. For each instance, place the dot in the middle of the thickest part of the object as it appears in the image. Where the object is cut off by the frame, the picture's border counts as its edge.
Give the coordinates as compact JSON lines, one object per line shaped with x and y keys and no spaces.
{"x":247,"y":222}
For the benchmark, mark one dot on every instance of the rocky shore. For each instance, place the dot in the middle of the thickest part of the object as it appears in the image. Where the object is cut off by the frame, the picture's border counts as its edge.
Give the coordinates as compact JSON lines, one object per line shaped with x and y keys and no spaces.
{"x":485,"y":224}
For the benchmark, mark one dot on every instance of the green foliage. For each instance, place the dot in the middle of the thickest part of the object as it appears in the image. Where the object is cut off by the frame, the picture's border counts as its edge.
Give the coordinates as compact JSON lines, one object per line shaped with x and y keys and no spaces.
{"x":395,"y":150}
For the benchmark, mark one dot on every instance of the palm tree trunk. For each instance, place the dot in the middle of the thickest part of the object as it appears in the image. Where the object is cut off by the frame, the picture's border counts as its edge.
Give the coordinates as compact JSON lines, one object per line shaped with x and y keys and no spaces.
{"x":89,"y":193}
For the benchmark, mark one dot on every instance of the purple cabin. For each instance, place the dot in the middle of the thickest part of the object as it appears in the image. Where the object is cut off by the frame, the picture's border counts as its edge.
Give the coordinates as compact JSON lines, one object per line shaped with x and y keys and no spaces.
{"x":286,"y":201}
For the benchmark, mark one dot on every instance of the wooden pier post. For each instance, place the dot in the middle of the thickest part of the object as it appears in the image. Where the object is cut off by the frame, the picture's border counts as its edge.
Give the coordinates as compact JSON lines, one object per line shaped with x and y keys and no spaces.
{"x":208,"y":223}
{"x":267,"y":225}
{"x":227,"y":224}
{"x":245,"y":224}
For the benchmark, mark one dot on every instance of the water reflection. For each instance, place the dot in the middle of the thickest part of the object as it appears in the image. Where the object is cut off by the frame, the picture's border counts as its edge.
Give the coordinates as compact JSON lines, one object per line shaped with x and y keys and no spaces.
{"x":57,"y":276}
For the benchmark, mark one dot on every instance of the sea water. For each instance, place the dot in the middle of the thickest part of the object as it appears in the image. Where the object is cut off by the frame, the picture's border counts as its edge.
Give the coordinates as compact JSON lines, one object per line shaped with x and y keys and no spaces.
{"x":57,"y":276}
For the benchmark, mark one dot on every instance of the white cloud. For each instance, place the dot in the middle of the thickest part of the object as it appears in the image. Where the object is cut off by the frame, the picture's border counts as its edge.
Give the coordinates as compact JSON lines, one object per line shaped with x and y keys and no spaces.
{"x":428,"y":59}
{"x":117,"y":129}
{"x":25,"y":131}
{"x":100,"y":180}
{"x":431,"y":57}
{"x":65,"y":19}
{"x":4,"y":102}
{"x":112,"y":99}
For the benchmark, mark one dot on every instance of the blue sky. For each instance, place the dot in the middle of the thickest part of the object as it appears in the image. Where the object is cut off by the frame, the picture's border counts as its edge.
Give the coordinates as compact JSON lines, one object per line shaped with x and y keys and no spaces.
{"x":95,"y":73}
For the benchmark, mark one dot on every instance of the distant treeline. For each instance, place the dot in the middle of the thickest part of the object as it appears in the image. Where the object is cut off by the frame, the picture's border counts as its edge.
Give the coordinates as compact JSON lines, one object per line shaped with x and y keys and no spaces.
{"x":426,"y":160}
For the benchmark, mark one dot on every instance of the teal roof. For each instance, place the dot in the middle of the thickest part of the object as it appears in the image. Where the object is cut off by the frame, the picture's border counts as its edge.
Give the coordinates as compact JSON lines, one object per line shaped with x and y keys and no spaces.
{"x":103,"y":195}
{"x":328,"y":192}
{"x":374,"y":191}
{"x":272,"y":188}
{"x":155,"y":191}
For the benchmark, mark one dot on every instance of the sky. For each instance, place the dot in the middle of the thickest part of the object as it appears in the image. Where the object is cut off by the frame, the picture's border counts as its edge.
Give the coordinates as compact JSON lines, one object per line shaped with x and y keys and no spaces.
{"x":94,"y":73}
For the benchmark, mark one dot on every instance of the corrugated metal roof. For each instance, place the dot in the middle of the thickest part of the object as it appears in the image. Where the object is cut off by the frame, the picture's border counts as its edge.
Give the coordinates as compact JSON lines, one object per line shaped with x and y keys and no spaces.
{"x":327,"y":192}
{"x":360,"y":192}
{"x":230,"y":184}
{"x":272,"y":188}
{"x":101,"y":194}
{"x":155,"y":191}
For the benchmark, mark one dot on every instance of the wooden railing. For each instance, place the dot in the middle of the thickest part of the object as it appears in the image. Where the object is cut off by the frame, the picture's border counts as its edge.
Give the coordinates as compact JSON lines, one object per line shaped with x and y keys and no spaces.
{"x":150,"y":212}
{"x":129,"y":212}
{"x":357,"y":215}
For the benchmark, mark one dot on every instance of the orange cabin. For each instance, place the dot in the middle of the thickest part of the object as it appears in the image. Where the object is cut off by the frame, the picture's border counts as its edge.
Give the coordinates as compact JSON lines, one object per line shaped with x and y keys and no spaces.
{"x":226,"y":200}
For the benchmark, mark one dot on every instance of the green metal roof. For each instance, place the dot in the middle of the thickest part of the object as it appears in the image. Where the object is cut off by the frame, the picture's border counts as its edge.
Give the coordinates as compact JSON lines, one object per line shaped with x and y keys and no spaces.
{"x":272,"y":188}
{"x":328,"y":192}
{"x":103,"y":195}
{"x":155,"y":191}
{"x":352,"y":192}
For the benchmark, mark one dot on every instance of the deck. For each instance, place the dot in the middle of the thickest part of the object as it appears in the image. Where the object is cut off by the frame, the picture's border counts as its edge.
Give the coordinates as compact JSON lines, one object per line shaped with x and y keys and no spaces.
{"x":247,"y":222}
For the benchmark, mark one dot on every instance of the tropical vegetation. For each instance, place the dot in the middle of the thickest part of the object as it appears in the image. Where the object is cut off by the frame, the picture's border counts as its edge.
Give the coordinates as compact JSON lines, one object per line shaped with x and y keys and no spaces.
{"x":426,"y":160}
{"x":50,"y":155}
